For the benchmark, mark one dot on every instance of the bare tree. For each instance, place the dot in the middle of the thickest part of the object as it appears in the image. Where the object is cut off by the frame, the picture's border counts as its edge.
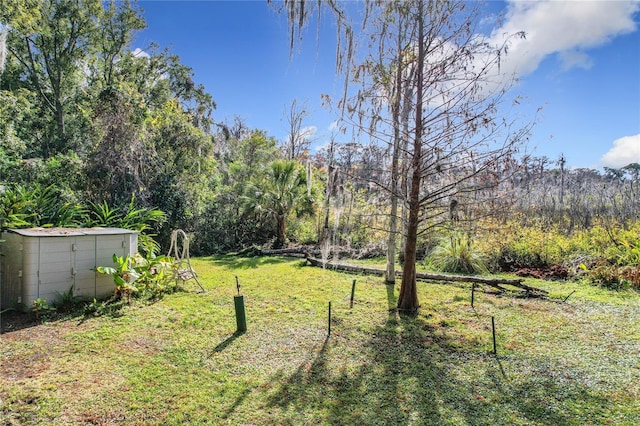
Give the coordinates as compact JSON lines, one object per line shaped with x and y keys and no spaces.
{"x":561,"y":162}
{"x":433,"y":76}
{"x":299,"y":137}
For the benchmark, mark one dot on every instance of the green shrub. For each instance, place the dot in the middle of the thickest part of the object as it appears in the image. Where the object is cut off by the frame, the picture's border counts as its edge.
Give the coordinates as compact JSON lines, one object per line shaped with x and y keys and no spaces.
{"x":303,"y":231}
{"x":618,"y":256}
{"x":457,"y":254}
{"x":67,"y":301}
{"x":96,"y":308}
{"x":129,"y":217}
{"x":41,"y":308}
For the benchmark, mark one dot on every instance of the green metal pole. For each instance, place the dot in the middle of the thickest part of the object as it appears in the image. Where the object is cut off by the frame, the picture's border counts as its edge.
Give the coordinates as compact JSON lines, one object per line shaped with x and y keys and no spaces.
{"x":241,"y":319}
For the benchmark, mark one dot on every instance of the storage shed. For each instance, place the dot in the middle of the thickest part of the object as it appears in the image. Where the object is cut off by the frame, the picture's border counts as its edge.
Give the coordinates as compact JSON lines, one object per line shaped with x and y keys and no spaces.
{"x":47,"y":262}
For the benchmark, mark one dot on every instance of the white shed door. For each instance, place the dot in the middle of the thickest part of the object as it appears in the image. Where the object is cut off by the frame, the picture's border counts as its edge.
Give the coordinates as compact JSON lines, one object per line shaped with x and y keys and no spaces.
{"x":56,"y":267}
{"x":85,"y":266}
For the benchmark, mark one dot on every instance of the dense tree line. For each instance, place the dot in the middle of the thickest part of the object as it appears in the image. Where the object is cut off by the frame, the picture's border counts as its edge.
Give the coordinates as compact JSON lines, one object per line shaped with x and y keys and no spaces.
{"x":86,"y":116}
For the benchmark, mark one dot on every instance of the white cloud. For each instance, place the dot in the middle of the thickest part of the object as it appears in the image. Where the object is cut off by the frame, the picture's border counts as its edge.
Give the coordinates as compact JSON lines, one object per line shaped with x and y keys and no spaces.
{"x":625,"y":150}
{"x":566,"y":28}
{"x":333,"y":126}
{"x":575,"y":59}
{"x":139,"y":53}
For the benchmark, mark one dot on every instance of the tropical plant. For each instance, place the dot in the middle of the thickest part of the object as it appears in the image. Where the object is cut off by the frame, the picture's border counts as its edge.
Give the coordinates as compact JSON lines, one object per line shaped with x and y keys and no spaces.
{"x":457,"y":254}
{"x":67,"y":300}
{"x":41,"y":308}
{"x":283,"y":192}
{"x":21,"y":207}
{"x":135,"y":275}
{"x":124,"y":276}
{"x":130,"y":217}
{"x":14,"y":207}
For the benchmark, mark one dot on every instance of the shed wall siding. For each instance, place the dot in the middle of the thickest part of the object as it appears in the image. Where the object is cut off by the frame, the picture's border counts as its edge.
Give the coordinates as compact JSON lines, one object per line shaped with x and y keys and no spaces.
{"x":11,"y":285}
{"x":106,"y":247}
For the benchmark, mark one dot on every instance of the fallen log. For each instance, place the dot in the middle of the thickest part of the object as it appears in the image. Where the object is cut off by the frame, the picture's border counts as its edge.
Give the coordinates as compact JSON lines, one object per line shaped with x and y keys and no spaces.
{"x":287,"y":251}
{"x":493,"y":282}
{"x":344,"y":267}
{"x":306,"y":251}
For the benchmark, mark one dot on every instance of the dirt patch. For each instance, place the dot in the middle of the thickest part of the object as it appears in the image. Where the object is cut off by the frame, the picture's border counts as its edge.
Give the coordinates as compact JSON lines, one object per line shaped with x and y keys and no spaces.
{"x":37,"y":343}
{"x":15,"y":320}
{"x":25,"y":367}
{"x":555,"y":272}
{"x":147,"y":346}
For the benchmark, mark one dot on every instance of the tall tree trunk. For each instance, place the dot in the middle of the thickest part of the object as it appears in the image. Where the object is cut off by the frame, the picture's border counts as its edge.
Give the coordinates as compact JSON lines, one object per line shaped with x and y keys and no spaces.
{"x":404,"y":170}
{"x":331,"y":180}
{"x":60,"y":130}
{"x":281,"y":232}
{"x":390,"y":273}
{"x":327,"y":205}
{"x":562,"y":162}
{"x":408,"y":298}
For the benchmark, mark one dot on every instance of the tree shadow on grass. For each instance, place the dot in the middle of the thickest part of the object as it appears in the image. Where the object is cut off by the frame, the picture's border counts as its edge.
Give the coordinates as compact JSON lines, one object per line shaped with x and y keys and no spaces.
{"x":237,"y":402}
{"x":14,"y":320}
{"x":234,"y":262}
{"x":413,"y":373}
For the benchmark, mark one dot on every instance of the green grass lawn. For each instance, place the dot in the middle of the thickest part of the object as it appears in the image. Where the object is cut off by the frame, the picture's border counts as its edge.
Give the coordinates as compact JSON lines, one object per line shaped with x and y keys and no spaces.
{"x":177,"y":361}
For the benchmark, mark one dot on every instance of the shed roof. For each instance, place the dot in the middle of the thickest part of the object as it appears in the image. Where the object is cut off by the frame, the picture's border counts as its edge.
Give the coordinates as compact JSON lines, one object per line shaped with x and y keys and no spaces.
{"x":67,"y":232}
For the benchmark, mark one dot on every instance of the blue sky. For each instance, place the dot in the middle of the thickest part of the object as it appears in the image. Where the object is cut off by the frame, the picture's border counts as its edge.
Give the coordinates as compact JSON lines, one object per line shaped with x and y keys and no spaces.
{"x":580,"y":62}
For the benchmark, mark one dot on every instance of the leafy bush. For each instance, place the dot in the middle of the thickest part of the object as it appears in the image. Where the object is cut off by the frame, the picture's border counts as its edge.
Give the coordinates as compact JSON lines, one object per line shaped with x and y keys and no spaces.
{"x":67,"y":301}
{"x":98,"y":308}
{"x":509,"y":258}
{"x":37,"y":206}
{"x":131,"y":217}
{"x":44,"y":207}
{"x":303,"y":231}
{"x":139,"y":276}
{"x":619,"y":264}
{"x":41,"y":308}
{"x":611,"y":276}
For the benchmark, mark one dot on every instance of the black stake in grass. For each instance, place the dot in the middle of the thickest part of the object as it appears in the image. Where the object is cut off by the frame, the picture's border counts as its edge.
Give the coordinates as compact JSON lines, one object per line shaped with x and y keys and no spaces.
{"x":473,"y":290}
{"x":493,"y":330}
{"x":329,"y":321}
{"x":565,"y":299}
{"x":353,"y":293}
